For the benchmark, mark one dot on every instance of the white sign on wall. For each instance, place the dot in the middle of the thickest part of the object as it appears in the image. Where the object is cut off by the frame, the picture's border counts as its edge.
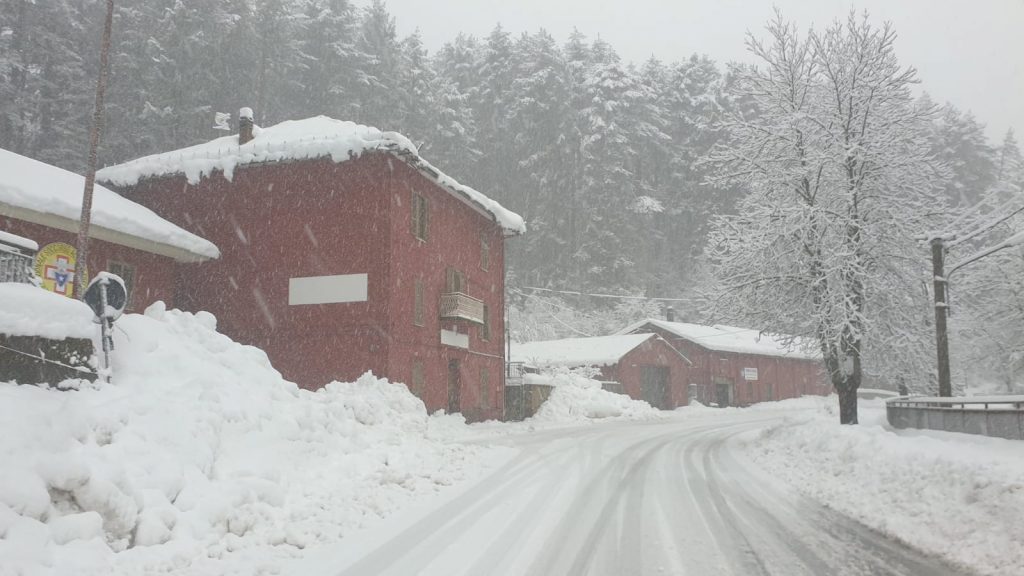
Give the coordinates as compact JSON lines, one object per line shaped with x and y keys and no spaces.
{"x":327,"y":289}
{"x":750,"y":373}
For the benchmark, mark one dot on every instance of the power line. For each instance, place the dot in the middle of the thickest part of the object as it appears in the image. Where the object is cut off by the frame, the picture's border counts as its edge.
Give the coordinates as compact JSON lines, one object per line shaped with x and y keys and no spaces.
{"x":621,"y":297}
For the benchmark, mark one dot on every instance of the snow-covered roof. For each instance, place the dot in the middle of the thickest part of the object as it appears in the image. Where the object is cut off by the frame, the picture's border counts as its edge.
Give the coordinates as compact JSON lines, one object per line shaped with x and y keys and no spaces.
{"x":18,"y":241}
{"x":31,"y":311}
{"x":727,"y":338}
{"x":316,"y":137}
{"x":36,"y":192}
{"x":595,"y":351}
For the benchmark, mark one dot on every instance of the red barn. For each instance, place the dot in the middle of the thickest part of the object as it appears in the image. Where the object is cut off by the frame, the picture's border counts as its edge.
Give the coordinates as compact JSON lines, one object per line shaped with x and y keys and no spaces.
{"x":343,"y":251}
{"x":642,"y":366}
{"x":738,"y":366}
{"x":43,"y":203}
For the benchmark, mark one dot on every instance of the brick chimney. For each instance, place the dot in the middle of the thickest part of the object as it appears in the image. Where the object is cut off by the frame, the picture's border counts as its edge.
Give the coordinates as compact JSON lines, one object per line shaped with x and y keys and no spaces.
{"x":244,"y":125}
{"x":670,"y":314}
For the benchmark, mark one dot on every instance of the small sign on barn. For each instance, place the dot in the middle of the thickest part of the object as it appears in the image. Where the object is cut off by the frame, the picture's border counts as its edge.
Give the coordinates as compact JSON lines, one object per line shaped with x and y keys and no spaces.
{"x":750,"y":373}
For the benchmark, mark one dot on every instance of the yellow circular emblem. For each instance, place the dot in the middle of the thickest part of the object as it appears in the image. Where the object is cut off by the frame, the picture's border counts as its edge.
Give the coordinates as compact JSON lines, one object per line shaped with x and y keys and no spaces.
{"x":56,"y":266}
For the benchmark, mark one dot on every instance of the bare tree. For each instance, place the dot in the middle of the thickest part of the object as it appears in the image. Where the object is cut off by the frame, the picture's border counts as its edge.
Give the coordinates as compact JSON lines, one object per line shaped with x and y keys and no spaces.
{"x":840,"y":184}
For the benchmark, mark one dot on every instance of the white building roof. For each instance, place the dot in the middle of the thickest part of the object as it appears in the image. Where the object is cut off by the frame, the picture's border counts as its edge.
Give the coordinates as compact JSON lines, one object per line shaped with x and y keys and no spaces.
{"x":596,"y":351}
{"x":316,"y":137}
{"x":728,"y":338}
{"x":43,"y":194}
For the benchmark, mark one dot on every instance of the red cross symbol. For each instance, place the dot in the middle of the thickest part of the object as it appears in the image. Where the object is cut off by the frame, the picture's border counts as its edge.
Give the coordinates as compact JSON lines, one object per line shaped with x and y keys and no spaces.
{"x":62,"y":273}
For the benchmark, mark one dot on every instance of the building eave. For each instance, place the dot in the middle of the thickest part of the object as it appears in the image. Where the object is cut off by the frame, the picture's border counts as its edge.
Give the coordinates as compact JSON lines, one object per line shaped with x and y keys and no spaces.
{"x":102,"y":233}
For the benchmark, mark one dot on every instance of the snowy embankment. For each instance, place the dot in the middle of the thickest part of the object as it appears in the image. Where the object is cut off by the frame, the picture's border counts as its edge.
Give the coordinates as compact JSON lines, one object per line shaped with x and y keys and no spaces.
{"x":576,"y":398}
{"x":200,"y":459}
{"x":957,"y":496}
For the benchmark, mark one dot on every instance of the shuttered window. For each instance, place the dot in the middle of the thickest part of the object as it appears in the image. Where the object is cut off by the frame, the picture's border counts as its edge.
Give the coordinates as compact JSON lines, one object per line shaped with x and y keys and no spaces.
{"x":485,"y":328}
{"x":455,"y":281}
{"x":417,"y":313}
{"x":485,"y":254}
{"x":420,"y":217}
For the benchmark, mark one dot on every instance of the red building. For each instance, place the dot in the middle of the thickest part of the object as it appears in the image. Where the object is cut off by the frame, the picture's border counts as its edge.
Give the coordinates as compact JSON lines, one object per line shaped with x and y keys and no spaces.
{"x":642,"y":366}
{"x":738,"y":366}
{"x":43,"y":203}
{"x":343,"y":251}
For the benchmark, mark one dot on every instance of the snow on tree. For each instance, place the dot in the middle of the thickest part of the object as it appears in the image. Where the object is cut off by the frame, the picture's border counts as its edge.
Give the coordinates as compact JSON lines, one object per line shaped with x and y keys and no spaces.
{"x":841,"y":186}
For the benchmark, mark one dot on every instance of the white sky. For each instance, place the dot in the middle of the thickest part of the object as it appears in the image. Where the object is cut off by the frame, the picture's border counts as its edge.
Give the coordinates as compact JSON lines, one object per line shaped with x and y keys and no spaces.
{"x":968,"y":52}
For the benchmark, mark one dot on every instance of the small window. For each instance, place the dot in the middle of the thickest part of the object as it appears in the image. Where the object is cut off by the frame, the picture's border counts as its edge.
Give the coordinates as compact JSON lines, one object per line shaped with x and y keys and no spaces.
{"x":417,"y":380}
{"x":485,"y":254}
{"x":127,"y":273}
{"x":455,"y":281}
{"x":485,"y":328}
{"x":485,"y":388}
{"x":417,"y":313}
{"x":420,"y":216}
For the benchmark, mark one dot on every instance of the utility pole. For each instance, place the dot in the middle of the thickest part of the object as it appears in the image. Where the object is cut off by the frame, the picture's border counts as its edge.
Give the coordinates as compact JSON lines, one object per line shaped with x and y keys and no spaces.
{"x":82,"y":245}
{"x":941,"y":313}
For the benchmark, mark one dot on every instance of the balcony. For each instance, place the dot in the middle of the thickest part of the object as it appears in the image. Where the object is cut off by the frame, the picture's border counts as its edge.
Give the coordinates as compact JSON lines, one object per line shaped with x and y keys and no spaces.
{"x":458,"y":306}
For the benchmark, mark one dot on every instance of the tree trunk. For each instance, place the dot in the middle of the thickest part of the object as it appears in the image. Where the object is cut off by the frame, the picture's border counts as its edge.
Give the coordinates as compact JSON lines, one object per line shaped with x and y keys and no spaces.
{"x":847,"y":402}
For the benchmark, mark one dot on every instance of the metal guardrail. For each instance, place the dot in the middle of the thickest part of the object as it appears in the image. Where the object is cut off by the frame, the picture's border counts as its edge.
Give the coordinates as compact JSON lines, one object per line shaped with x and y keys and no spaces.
{"x":996,"y":416}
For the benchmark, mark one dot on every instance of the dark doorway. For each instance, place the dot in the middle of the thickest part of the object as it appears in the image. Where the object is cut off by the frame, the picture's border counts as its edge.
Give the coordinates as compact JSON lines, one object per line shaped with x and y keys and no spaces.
{"x":723,"y":394}
{"x":654,"y":386}
{"x":454,"y":387}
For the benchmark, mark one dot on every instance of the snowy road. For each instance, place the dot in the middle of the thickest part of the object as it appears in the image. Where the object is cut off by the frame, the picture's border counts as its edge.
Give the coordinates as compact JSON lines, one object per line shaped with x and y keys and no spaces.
{"x":664,"y":497}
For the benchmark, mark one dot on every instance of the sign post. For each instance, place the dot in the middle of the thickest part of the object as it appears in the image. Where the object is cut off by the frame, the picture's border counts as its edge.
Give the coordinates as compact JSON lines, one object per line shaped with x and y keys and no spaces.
{"x":107,"y":297}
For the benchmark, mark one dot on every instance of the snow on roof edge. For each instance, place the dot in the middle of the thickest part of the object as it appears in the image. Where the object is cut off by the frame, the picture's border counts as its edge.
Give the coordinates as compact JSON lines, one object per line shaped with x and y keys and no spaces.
{"x":295,"y":140}
{"x":727,"y":339}
{"x":589,"y":351}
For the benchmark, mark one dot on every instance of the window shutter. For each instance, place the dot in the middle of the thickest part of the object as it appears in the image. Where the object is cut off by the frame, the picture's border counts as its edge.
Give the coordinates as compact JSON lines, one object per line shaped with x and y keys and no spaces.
{"x":424,"y":218}
{"x":415,"y":206}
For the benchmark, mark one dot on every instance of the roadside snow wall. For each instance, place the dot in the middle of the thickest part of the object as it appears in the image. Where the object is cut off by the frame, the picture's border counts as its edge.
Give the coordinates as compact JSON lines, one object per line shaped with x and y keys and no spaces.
{"x":575,"y":397}
{"x":200,"y":459}
{"x":957,"y":496}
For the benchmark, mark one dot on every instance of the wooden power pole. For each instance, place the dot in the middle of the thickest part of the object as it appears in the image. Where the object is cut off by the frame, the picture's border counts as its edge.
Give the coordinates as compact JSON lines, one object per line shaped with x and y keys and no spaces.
{"x":941,"y":314}
{"x":82,"y":246}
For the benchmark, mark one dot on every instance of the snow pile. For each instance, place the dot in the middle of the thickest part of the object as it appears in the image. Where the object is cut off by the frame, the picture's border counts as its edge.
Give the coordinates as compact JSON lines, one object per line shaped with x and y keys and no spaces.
{"x":953,"y":495}
{"x":38,"y":187}
{"x":199,"y":458}
{"x":578,"y":398}
{"x":31,"y":311}
{"x":316,"y":137}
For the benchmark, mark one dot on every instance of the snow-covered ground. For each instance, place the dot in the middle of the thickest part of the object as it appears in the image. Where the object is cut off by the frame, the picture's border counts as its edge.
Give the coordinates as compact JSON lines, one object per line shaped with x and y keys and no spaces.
{"x":957,"y":496}
{"x":200,"y":459}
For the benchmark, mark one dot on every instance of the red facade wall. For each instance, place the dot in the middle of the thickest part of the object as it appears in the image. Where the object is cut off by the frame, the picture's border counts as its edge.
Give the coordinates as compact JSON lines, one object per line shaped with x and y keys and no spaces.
{"x":629,"y":372}
{"x":275,"y":222}
{"x":154,"y":274}
{"x":777,"y":377}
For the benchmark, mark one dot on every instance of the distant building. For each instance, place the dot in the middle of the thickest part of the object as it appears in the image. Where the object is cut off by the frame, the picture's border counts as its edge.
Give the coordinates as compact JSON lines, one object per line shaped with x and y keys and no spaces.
{"x":40,"y":206}
{"x":642,"y":366}
{"x":738,"y":366}
{"x":343,"y":251}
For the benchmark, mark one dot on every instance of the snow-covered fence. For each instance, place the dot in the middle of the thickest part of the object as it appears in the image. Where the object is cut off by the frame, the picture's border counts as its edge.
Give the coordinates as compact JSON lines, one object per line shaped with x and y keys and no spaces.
{"x":997,"y":416}
{"x":16,"y":257}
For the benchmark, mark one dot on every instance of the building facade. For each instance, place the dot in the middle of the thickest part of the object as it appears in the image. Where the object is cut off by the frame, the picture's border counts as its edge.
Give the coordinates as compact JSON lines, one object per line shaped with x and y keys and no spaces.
{"x":739,"y":367}
{"x":642,"y":366}
{"x":345,"y":254}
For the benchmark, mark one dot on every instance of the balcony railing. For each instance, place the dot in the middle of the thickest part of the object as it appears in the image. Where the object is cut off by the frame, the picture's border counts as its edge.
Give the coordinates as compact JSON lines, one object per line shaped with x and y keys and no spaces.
{"x":458,"y":306}
{"x":15,"y":265}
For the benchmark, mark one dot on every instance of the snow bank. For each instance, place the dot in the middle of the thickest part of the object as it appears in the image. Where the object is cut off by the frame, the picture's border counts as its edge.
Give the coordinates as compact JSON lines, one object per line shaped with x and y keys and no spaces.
{"x":200,"y":459}
{"x":576,"y":398}
{"x":31,"y":311}
{"x":33,"y":185}
{"x":316,"y":137}
{"x":957,"y":496}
